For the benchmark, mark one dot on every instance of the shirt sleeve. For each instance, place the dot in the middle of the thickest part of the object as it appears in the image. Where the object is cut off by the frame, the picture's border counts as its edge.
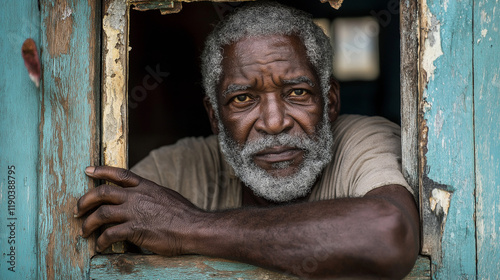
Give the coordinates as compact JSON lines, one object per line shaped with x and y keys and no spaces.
{"x":367,"y":155}
{"x":188,"y":167}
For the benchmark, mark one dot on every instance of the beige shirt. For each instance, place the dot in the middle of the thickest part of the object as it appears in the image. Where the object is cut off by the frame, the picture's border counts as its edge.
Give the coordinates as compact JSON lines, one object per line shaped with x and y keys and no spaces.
{"x":366,"y":155}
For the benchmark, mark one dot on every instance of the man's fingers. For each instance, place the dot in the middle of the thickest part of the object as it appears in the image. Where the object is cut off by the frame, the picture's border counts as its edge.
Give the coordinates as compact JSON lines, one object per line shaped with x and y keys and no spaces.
{"x":119,"y":176}
{"x":104,"y":194}
{"x":113,"y":234}
{"x":103,"y":215}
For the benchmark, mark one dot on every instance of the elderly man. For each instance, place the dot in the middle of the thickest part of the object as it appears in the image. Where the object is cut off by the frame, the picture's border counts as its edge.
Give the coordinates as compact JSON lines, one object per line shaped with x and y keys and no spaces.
{"x":286,"y":180}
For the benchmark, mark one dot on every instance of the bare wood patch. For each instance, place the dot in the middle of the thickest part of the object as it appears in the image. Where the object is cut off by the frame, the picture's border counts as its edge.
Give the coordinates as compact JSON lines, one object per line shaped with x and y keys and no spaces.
{"x":58,"y":37}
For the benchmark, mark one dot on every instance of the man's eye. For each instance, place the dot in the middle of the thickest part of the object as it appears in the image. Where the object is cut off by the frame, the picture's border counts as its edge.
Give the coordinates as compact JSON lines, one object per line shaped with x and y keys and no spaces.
{"x":298,"y":92}
{"x":241,"y":98}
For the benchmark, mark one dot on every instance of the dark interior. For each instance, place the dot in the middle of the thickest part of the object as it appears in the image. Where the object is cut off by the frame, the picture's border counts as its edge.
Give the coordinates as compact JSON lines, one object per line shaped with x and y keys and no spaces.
{"x":165,"y":92}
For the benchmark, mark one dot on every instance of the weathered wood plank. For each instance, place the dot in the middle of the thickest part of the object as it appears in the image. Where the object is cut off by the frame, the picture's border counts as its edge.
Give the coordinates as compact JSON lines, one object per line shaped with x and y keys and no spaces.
{"x":129,"y":266}
{"x":114,"y":90}
{"x":409,"y":90}
{"x":68,"y":131}
{"x":446,"y":137}
{"x":487,"y":135}
{"x":114,"y":83}
{"x":19,"y":115}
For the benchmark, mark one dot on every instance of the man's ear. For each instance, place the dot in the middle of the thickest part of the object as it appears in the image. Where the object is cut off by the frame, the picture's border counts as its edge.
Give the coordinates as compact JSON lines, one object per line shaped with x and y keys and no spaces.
{"x":211,"y":115}
{"x":334,"y":100}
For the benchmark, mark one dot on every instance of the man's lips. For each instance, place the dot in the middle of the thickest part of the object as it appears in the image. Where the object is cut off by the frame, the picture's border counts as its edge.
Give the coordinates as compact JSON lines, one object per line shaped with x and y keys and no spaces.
{"x":278,"y":154}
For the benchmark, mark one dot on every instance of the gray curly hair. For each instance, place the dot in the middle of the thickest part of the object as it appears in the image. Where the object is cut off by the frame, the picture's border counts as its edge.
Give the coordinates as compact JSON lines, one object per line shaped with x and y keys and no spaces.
{"x":259,"y":19}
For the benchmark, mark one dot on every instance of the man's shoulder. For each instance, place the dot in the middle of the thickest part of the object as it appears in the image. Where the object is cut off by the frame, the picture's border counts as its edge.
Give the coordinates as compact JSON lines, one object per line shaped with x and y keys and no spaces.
{"x":359,"y":127}
{"x":196,"y":146}
{"x":190,"y":151}
{"x":201,"y":142}
{"x":360,"y":121}
{"x":367,"y":153}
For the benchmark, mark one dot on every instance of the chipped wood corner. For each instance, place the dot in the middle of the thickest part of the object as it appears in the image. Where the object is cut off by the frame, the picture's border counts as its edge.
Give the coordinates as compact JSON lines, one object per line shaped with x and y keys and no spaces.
{"x":334,"y":3}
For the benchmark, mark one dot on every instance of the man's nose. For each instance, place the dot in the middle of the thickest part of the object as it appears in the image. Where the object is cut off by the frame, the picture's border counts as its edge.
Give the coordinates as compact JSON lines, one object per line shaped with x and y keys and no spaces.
{"x":273,"y":118}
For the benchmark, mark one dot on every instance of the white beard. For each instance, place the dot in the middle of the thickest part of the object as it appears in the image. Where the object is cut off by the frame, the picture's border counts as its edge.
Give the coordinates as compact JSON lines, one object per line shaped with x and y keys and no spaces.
{"x":317,"y":154}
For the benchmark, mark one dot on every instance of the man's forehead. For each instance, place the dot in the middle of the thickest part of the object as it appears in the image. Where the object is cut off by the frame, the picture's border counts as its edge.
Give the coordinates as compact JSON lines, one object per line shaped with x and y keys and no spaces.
{"x":274,"y":44}
{"x":258,"y":53}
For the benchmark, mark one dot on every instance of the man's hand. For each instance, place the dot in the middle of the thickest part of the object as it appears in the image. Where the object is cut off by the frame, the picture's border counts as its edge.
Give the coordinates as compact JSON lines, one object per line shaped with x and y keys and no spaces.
{"x":146,"y":214}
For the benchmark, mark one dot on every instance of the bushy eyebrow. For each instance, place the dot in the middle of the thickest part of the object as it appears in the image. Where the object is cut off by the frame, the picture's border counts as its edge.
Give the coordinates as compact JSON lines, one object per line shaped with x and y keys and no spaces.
{"x":299,"y":80}
{"x":295,"y":81}
{"x":233,"y":88}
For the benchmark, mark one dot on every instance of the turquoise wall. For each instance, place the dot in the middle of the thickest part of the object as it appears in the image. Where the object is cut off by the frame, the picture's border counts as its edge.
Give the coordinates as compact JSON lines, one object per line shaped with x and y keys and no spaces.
{"x":19,"y":138}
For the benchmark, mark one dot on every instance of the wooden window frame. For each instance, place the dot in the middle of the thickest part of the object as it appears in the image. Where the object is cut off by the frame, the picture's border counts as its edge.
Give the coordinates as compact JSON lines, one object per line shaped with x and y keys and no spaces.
{"x":115,"y":32}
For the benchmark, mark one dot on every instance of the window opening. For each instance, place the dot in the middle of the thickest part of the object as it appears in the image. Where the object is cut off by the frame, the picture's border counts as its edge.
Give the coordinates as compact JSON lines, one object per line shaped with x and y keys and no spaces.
{"x":165,"y":90}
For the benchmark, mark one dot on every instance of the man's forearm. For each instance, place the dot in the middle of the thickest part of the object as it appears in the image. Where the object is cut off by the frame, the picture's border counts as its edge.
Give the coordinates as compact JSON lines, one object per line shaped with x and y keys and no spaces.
{"x":368,"y":236}
{"x":373,"y":236}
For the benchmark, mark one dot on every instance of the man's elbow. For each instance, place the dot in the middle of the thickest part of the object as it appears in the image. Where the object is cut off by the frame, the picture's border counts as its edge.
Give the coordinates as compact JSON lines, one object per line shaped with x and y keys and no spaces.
{"x":399,"y":246}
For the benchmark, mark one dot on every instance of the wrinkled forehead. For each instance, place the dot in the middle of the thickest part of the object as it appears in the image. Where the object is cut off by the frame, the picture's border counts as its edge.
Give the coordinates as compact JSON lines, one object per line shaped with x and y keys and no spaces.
{"x":265,"y":48}
{"x":257,"y":52}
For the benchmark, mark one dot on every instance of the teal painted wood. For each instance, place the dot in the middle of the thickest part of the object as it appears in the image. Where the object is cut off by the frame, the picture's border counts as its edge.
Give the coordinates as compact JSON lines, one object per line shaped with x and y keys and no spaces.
{"x":129,"y":266}
{"x":421,"y":270}
{"x":448,"y":111}
{"x":69,"y":138}
{"x":19,"y":115}
{"x":487,"y":135}
{"x":125,"y":266}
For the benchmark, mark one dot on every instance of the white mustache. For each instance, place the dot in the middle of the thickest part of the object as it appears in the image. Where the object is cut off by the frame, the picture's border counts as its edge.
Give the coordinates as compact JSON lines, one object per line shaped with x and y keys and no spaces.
{"x":269,"y":141}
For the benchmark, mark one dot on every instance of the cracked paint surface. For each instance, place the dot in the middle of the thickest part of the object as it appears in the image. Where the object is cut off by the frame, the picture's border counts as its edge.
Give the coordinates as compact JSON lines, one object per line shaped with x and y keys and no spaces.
{"x":114,"y":98}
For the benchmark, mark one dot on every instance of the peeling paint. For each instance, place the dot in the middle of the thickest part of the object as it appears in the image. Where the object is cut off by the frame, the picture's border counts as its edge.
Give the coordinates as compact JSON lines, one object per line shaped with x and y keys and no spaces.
{"x":431,"y":28}
{"x":438,"y":123}
{"x":114,"y":85}
{"x":426,"y":106}
{"x":440,"y":201}
{"x":485,"y":19}
{"x":66,"y":13}
{"x":484,"y":32}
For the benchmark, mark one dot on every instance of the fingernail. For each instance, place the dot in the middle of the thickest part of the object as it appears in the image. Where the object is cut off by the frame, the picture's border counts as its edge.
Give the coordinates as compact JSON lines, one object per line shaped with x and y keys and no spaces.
{"x":90,"y":170}
{"x":80,"y":232}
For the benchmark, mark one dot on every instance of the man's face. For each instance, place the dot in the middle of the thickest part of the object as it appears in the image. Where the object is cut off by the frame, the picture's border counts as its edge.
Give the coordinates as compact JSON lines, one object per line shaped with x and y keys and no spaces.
{"x":273,"y":129}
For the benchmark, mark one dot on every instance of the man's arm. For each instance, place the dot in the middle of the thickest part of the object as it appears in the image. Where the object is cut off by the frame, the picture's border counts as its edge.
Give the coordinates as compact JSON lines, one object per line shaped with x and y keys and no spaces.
{"x":373,"y":236}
